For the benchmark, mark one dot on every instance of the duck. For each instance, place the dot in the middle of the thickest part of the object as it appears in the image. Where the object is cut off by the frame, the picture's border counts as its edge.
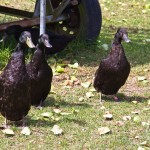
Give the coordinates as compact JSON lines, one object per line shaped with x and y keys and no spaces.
{"x":40,"y":73}
{"x":59,"y":42}
{"x":114,"y":70}
{"x":15,"y":99}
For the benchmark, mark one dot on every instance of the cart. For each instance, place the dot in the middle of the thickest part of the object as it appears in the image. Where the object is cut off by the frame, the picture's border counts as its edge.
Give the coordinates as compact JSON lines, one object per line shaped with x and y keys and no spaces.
{"x":80,"y":18}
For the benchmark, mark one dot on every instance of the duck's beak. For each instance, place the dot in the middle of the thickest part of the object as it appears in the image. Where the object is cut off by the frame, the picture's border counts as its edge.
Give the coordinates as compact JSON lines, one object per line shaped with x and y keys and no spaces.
{"x":4,"y":37}
{"x":30,"y":43}
{"x":47,"y":44}
{"x":125,"y":38}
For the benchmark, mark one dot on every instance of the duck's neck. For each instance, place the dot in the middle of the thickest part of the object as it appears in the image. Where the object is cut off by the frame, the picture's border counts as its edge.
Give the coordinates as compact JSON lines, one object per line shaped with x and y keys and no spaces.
{"x":41,"y":47}
{"x":17,"y":59}
{"x":116,"y":46}
{"x":117,"y":51}
{"x":117,"y":40}
{"x":20,"y":47}
{"x":39,"y":54}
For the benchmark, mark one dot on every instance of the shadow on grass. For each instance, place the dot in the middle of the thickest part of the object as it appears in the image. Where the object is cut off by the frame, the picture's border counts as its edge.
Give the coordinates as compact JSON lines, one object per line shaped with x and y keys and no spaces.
{"x":49,"y":123}
{"x":76,"y":121}
{"x":91,"y":53}
{"x":40,"y":122}
{"x":30,"y":122}
{"x":35,"y":121}
{"x":124,"y":98}
{"x":61,"y":103}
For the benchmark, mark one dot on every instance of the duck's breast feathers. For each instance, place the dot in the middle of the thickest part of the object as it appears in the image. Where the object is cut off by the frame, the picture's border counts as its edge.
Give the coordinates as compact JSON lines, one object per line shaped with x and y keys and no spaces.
{"x":1,"y":87}
{"x":111,"y":69}
{"x":37,"y":59}
{"x":106,"y":66}
{"x":116,"y":48}
{"x":17,"y":58}
{"x":15,"y":69}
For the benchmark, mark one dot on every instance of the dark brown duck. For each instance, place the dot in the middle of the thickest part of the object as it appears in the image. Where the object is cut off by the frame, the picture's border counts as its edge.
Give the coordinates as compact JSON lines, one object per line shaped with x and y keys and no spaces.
{"x":114,"y":70}
{"x":40,"y":72}
{"x":15,"y":85}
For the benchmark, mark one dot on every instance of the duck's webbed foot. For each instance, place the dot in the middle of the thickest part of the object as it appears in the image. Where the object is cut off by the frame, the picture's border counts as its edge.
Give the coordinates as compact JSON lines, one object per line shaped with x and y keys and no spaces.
{"x":116,"y":98}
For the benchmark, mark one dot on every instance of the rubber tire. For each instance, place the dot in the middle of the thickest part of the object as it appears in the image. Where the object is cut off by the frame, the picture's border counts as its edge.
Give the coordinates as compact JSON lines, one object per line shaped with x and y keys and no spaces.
{"x":90,"y":19}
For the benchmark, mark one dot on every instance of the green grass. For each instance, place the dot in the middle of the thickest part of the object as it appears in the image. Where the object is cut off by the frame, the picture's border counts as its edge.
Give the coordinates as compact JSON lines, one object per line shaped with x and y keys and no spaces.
{"x":80,"y":128}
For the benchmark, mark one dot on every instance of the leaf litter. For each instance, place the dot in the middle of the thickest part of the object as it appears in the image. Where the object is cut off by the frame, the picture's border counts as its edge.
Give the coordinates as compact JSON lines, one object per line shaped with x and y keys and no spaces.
{"x":103,"y":130}
{"x":108,"y":116}
{"x":57,"y":130}
{"x":26,"y":131}
{"x":86,"y":84}
{"x":8,"y":132}
{"x":47,"y":114}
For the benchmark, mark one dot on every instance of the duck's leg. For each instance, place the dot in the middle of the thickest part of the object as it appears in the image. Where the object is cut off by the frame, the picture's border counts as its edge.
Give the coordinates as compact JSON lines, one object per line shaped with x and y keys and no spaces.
{"x":23,"y":121}
{"x":40,"y":105}
{"x":5,"y":124}
{"x":115,"y":98}
{"x":100,"y":98}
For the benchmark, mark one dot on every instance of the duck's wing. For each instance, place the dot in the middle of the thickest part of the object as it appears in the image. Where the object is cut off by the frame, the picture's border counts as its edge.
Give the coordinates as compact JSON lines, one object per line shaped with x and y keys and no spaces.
{"x":0,"y":84}
{"x":101,"y":74}
{"x":105,"y":73}
{"x":1,"y":92}
{"x":123,"y":68}
{"x":124,"y":73}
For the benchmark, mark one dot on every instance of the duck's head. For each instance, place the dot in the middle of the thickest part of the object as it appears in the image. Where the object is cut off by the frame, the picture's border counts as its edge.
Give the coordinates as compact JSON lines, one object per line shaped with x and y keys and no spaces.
{"x":122,"y":34}
{"x":25,"y":38}
{"x":11,"y":30}
{"x":44,"y":40}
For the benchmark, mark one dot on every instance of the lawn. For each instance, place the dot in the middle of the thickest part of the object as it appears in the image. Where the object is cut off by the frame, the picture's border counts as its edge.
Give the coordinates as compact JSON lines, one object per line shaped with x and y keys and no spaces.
{"x":81,"y":116}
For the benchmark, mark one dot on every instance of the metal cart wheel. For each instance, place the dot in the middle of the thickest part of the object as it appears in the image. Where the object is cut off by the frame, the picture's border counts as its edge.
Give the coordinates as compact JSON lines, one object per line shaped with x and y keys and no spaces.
{"x":85,"y":20}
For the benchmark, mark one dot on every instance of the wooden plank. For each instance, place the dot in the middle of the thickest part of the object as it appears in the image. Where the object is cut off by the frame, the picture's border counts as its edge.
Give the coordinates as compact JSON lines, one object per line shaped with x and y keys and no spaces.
{"x":15,"y":12}
{"x":23,"y":23}
{"x":32,"y":22}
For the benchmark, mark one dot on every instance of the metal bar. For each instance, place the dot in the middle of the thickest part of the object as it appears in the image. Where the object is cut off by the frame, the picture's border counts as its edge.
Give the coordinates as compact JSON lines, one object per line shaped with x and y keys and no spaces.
{"x":37,"y":9}
{"x":50,"y":8}
{"x":32,"y":22}
{"x":58,"y":11}
{"x":42,"y":16}
{"x":15,"y":12}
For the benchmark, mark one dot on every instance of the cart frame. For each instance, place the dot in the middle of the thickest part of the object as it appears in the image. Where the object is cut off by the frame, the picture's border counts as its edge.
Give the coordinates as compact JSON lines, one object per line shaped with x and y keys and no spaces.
{"x":38,"y":16}
{"x":80,"y":18}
